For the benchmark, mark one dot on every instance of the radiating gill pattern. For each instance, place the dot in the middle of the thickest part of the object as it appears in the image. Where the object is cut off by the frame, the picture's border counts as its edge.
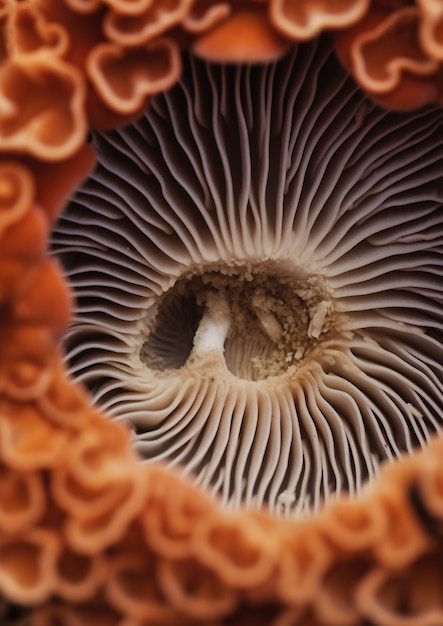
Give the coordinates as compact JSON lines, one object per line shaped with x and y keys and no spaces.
{"x":257,"y":264}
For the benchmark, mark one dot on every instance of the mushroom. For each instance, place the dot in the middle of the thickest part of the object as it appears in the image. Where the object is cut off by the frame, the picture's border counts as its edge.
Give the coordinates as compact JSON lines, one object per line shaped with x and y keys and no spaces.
{"x":257,"y":266}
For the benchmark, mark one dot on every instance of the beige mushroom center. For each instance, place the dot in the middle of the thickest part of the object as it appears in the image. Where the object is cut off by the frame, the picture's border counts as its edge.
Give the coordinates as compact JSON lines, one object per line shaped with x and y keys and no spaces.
{"x":256,"y":322}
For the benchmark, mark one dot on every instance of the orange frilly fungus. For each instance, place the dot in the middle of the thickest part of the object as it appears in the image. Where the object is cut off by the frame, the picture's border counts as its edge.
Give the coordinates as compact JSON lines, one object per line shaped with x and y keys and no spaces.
{"x":386,"y":54}
{"x":89,"y":535}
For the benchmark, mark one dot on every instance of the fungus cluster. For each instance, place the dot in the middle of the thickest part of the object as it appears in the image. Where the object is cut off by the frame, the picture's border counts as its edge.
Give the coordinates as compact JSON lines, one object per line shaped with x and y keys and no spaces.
{"x":91,"y":534}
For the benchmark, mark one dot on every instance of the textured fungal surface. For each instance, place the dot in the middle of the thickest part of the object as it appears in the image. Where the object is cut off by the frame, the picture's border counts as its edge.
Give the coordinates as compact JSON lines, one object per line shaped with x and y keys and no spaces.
{"x":258,"y":277}
{"x":90,"y":535}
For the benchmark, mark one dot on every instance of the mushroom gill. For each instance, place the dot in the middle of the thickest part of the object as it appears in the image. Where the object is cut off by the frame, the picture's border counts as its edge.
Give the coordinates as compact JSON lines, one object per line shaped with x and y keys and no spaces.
{"x":258,"y":274}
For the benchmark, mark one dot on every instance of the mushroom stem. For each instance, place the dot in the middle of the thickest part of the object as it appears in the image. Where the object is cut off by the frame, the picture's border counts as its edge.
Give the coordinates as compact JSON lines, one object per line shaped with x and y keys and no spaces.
{"x":212,"y":331}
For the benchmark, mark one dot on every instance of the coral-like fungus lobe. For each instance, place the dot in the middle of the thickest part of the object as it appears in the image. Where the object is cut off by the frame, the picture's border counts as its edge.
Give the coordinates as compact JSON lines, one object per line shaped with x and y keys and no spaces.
{"x":431,"y":27}
{"x":84,"y":501}
{"x":93,"y":534}
{"x":99,"y":456}
{"x":170,"y":523}
{"x":30,"y":32}
{"x":100,"y":486}
{"x":386,"y":55}
{"x":143,"y":25}
{"x":51,"y":125}
{"x":56,"y":182}
{"x":205,"y":14}
{"x":17,"y":191}
{"x":27,"y":361}
{"x":25,"y":377}
{"x":304,"y":19}
{"x":82,"y":27}
{"x":27,"y":440}
{"x":412,"y":596}
{"x":22,"y":499}
{"x":304,"y":559}
{"x":133,"y":587}
{"x":80,"y":576}
{"x":22,"y":250}
{"x":349,"y":526}
{"x":241,"y":554}
{"x":193,"y":589}
{"x":62,"y":401}
{"x":389,"y":50}
{"x":405,"y":538}
{"x":334,"y":601}
{"x":245,"y":36}
{"x":125,"y":78}
{"x":47,"y":300}
{"x":27,"y":565}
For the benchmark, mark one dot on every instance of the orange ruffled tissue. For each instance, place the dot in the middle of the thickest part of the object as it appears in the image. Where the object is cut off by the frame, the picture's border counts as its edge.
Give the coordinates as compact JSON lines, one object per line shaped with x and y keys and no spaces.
{"x":88,"y":534}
